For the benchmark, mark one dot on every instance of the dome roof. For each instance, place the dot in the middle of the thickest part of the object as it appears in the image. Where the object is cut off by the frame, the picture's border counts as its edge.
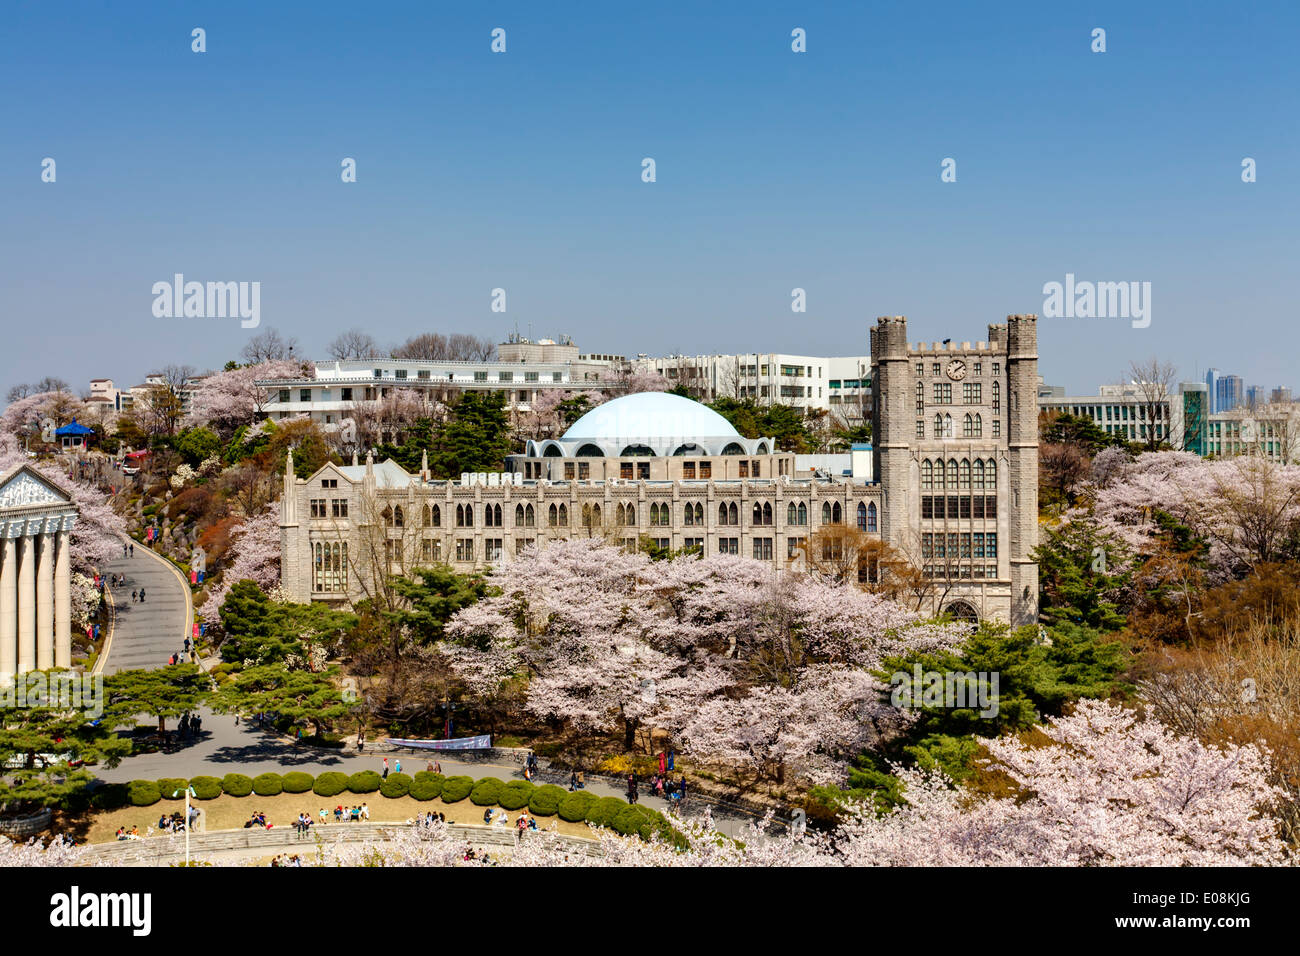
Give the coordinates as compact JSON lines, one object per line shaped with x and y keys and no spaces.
{"x":655,"y":418}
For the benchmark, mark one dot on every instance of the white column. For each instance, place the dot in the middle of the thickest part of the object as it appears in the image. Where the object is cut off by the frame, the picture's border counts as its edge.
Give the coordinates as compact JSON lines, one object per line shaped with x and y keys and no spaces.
{"x":26,"y":604}
{"x":8,"y":607}
{"x":63,"y":598}
{"x":45,"y":599}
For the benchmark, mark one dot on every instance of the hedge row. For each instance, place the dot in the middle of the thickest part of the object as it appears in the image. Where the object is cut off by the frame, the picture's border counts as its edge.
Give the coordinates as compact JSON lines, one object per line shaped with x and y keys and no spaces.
{"x":548,"y":800}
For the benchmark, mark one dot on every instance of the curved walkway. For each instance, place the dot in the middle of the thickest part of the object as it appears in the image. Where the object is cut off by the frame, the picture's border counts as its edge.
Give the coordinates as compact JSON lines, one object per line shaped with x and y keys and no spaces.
{"x":146,"y":635}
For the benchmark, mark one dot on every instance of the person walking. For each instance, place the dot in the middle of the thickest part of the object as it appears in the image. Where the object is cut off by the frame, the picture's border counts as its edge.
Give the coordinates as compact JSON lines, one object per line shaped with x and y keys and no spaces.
{"x":133,"y":549}
{"x":399,"y":765}
{"x":133,"y":596}
{"x":142,"y":595}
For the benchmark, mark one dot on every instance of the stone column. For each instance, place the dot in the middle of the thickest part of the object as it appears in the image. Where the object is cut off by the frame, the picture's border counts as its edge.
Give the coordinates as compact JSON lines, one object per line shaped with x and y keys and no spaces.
{"x":45,"y":599}
{"x":8,"y":607}
{"x":63,"y":598}
{"x":26,"y":603}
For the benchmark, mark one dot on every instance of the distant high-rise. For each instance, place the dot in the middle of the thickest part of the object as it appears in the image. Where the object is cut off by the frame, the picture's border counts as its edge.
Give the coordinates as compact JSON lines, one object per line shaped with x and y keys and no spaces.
{"x":1212,"y":385}
{"x":1280,"y":395}
{"x":1256,"y":395}
{"x":1230,"y":393}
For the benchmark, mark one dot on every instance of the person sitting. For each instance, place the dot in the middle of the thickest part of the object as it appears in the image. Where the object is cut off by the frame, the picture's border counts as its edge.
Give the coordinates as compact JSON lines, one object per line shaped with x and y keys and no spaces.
{"x":338,"y":813}
{"x":121,"y":833}
{"x":501,"y":819}
{"x":487,"y":815}
{"x":532,"y":823}
{"x":356,"y":814}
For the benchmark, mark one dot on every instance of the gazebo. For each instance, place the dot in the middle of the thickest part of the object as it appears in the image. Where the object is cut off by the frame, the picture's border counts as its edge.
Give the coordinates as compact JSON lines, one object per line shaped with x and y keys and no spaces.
{"x":74,"y":435}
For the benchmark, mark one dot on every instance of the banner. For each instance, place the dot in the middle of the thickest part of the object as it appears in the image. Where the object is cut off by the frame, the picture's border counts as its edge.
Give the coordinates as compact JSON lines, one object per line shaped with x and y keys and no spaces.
{"x":460,"y":743}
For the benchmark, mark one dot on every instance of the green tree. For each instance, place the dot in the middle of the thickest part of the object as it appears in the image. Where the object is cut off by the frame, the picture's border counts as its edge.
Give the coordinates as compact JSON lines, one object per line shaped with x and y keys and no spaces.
{"x":162,"y":693}
{"x":196,"y":445}
{"x":261,"y":631}
{"x":303,"y":696}
{"x":1077,"y":570}
{"x":475,"y":438}
{"x":432,"y":596}
{"x":43,"y":750}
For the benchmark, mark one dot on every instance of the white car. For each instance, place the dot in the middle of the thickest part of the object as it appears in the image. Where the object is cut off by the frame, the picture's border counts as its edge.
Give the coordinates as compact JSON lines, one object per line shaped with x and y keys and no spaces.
{"x":131,"y":471}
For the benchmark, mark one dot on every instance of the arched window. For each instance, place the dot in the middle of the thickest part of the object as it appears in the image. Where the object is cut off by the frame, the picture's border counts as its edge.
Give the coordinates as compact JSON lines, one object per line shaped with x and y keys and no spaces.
{"x":492,"y":516}
{"x":387,"y":515}
{"x":991,"y":474}
{"x":530,"y":517}
{"x":553,"y":517}
{"x":595,"y":515}
{"x":733,"y":449}
{"x":952,"y":472}
{"x":826,"y":512}
{"x":722,"y":512}
{"x":791,"y":515}
{"x":862,"y":516}
{"x":927,"y":474}
{"x":938,"y":475}
{"x":695,"y":514}
{"x":938,"y":426}
{"x":979,"y":473}
{"x":997,"y":397}
{"x":767,"y":512}
{"x":519,"y":516}
{"x":947,"y":426}
{"x":437,"y":517}
{"x":733,"y":514}
{"x":590,"y":451}
{"x":637,"y":451}
{"x":837,"y":514}
{"x":967,"y":426}
{"x":920,"y":396}
{"x":871,"y":516}
{"x":426,"y":516}
{"x":758,"y":512}
{"x":965,"y":474}
{"x":979,"y":425}
{"x":803,"y":513}
{"x":399,"y":519}
{"x":564,"y":516}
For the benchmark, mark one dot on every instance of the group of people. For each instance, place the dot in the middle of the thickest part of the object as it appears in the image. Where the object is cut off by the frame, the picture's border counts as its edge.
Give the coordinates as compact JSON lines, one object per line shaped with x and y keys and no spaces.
{"x":494,"y":816}
{"x":175,"y":822}
{"x":294,"y":860}
{"x":258,"y":819}
{"x":429,"y":819}
{"x":190,"y":725}
{"x":132,"y":834}
{"x":303,"y":824}
{"x":344,"y":814}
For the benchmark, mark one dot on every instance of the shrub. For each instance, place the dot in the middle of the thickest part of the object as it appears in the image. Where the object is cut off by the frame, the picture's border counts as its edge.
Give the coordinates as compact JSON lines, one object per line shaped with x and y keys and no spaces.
{"x":397,"y":785}
{"x":268,"y":784}
{"x":363,"y":781}
{"x":630,"y":820}
{"x":456,"y":788}
{"x":110,"y":796}
{"x":515,"y":794}
{"x":172,"y":788}
{"x":574,"y":806}
{"x":426,"y":785}
{"x":142,"y":793}
{"x":330,"y":784}
{"x":601,"y":813}
{"x":546,"y":800}
{"x":206,"y":788}
{"x":485,"y":792}
{"x":236,"y":785}
{"x":297,"y":782}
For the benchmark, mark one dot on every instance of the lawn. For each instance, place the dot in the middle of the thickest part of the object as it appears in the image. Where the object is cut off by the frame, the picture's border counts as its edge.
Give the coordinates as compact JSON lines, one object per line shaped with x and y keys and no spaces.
{"x":228,"y":813}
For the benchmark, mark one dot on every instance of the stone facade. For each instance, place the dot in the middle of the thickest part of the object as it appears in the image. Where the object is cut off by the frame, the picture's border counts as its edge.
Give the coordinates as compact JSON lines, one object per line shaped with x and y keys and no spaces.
{"x":648,"y":469}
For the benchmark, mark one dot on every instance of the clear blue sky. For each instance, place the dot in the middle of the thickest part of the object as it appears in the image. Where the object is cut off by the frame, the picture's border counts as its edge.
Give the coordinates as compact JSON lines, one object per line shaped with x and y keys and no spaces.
{"x":775,"y":170}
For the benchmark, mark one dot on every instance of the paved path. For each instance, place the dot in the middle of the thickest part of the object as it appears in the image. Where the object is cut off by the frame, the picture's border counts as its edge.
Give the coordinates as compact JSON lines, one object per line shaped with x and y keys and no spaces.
{"x":146,"y":635}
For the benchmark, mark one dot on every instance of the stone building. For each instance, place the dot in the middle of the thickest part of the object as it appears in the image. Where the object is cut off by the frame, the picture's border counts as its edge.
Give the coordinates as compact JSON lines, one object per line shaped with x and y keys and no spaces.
{"x":36,"y":518}
{"x":658,"y":466}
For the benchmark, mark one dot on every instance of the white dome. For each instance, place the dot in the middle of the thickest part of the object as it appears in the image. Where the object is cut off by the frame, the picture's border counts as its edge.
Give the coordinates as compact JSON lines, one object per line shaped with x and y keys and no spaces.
{"x":652,"y":418}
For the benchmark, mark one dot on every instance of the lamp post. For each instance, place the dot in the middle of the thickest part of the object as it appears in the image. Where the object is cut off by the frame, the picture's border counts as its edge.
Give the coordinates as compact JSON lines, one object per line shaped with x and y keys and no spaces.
{"x":189,"y":792}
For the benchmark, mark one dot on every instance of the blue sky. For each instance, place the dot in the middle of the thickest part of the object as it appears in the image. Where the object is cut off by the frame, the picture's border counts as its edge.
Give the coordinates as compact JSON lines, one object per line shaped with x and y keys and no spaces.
{"x":775,"y":170}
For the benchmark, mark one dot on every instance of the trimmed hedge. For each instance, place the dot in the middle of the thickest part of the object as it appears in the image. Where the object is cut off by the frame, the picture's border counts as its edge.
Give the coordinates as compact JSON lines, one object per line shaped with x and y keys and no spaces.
{"x":297,"y":782}
{"x":363,"y":781}
{"x":426,"y":785}
{"x":632,"y":819}
{"x":396,"y":785}
{"x":330,"y":784}
{"x":486,"y":792}
{"x":601,"y":813}
{"x":236,"y":785}
{"x":142,"y":793}
{"x":546,"y":800}
{"x":206,"y":788}
{"x":515,"y":795}
{"x":574,"y":806}
{"x":268,"y":784}
{"x":455,"y":789}
{"x":172,"y":788}
{"x":110,"y":796}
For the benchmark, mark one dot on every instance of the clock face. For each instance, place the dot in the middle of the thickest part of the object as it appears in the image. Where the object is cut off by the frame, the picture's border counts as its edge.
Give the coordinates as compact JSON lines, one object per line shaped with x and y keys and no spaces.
{"x":956,"y":369}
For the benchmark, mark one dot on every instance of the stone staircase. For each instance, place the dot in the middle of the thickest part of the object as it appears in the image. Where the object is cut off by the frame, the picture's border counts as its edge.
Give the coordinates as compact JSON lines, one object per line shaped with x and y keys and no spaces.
{"x":162,"y":850}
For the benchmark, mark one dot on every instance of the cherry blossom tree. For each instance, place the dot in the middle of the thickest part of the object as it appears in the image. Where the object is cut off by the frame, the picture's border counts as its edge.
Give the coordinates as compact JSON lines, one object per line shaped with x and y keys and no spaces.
{"x":256,"y":549}
{"x":227,"y":400}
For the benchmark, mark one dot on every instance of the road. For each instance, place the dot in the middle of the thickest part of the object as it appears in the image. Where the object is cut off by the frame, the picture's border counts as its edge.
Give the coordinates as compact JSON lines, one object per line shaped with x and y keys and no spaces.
{"x":146,"y":635}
